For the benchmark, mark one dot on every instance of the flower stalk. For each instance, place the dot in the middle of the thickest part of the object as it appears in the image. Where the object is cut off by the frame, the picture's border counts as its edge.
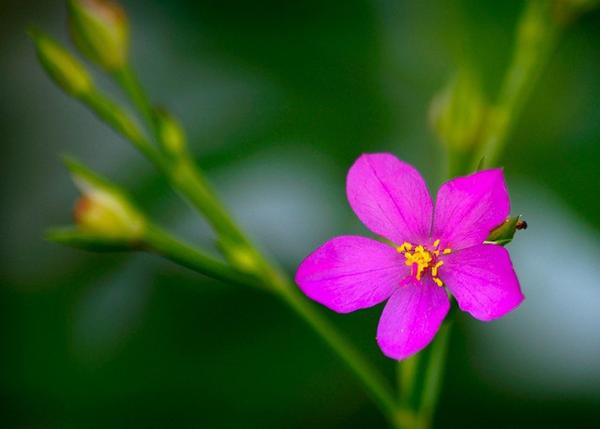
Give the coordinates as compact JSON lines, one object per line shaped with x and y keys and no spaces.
{"x":188,"y":181}
{"x":537,"y":35}
{"x":158,"y":241}
{"x":130,"y":84}
{"x":420,"y":380}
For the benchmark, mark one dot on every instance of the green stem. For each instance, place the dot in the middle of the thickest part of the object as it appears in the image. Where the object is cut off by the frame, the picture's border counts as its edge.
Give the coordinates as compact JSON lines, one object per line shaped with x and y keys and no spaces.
{"x":183,"y":174}
{"x":420,"y":380}
{"x":158,"y":241}
{"x":420,"y":377}
{"x":434,"y":375}
{"x":376,"y":384}
{"x":162,"y":243}
{"x":407,"y":373}
{"x":187,"y":180}
{"x":536,"y":38}
{"x":127,"y":79}
{"x":111,"y":113}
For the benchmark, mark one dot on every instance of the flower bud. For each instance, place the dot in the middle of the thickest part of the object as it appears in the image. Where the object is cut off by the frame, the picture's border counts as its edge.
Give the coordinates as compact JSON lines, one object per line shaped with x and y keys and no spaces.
{"x":103,"y":209}
{"x":100,"y":30}
{"x":61,"y":66}
{"x":505,"y":232}
{"x":171,"y":134}
{"x":457,"y":112}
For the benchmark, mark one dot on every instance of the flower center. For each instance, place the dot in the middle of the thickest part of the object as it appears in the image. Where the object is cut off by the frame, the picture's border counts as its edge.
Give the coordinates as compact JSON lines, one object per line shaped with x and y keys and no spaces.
{"x":422,"y":259}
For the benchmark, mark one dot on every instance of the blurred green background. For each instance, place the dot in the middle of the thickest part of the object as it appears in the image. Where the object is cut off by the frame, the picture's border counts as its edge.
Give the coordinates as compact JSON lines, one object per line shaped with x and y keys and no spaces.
{"x":278,"y":99}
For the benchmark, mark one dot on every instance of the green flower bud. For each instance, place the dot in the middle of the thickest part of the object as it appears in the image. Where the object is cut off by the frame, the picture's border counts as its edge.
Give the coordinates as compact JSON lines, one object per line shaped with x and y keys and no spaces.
{"x":458,"y":111}
{"x":100,"y":30}
{"x":104,"y":210}
{"x":504,"y":233}
{"x":171,"y":134}
{"x":61,"y":66}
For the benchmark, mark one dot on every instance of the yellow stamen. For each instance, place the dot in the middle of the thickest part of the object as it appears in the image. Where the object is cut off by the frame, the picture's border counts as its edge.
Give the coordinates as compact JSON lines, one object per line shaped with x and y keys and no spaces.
{"x":404,"y":247}
{"x":420,"y":259}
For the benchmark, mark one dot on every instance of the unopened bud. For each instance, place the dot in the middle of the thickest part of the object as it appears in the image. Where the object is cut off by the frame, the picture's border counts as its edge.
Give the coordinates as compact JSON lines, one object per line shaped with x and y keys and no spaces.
{"x":505,"y":232}
{"x":458,"y":111}
{"x":61,"y":66}
{"x":100,"y":30}
{"x":171,"y":134}
{"x":103,"y":209}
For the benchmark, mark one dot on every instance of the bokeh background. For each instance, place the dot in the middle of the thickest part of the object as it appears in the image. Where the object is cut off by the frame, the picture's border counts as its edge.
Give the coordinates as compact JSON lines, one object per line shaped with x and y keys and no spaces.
{"x":278,"y":99}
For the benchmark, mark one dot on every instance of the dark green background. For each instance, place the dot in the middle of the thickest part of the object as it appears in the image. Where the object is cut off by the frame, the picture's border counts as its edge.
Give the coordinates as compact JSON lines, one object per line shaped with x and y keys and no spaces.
{"x":278,"y":99}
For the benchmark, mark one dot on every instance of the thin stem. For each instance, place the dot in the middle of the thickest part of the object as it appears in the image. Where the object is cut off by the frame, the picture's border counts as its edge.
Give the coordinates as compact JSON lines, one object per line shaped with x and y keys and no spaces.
{"x":183,"y":174}
{"x":536,"y":38}
{"x":111,"y":113}
{"x":420,"y":379}
{"x":162,"y":243}
{"x":376,"y":384}
{"x":158,"y":241}
{"x":407,"y":372}
{"x":187,"y":180}
{"x":131,"y":85}
{"x":434,"y":375}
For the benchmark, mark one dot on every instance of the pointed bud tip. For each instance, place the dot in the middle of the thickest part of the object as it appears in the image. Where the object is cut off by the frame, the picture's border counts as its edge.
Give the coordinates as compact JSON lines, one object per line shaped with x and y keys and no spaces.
{"x":103,"y":208}
{"x":62,"y":67}
{"x":108,"y":215}
{"x":505,"y":232}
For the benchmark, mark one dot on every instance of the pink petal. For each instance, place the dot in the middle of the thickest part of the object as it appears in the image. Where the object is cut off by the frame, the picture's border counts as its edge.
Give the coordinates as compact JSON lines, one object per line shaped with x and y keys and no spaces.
{"x":468,"y":208}
{"x":483,"y":281}
{"x":349,"y":273}
{"x":390,"y":197}
{"x":411,"y":318}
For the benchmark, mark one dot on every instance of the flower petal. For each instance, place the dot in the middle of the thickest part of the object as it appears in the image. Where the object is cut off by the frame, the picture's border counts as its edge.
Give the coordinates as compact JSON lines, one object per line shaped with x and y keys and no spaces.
{"x":349,"y":273}
{"x":390,"y":197}
{"x":483,"y":281}
{"x":411,"y":318}
{"x":468,"y":208}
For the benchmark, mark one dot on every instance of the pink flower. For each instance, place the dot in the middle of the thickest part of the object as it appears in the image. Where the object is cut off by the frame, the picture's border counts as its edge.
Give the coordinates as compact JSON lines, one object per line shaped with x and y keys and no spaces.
{"x":432,"y":249}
